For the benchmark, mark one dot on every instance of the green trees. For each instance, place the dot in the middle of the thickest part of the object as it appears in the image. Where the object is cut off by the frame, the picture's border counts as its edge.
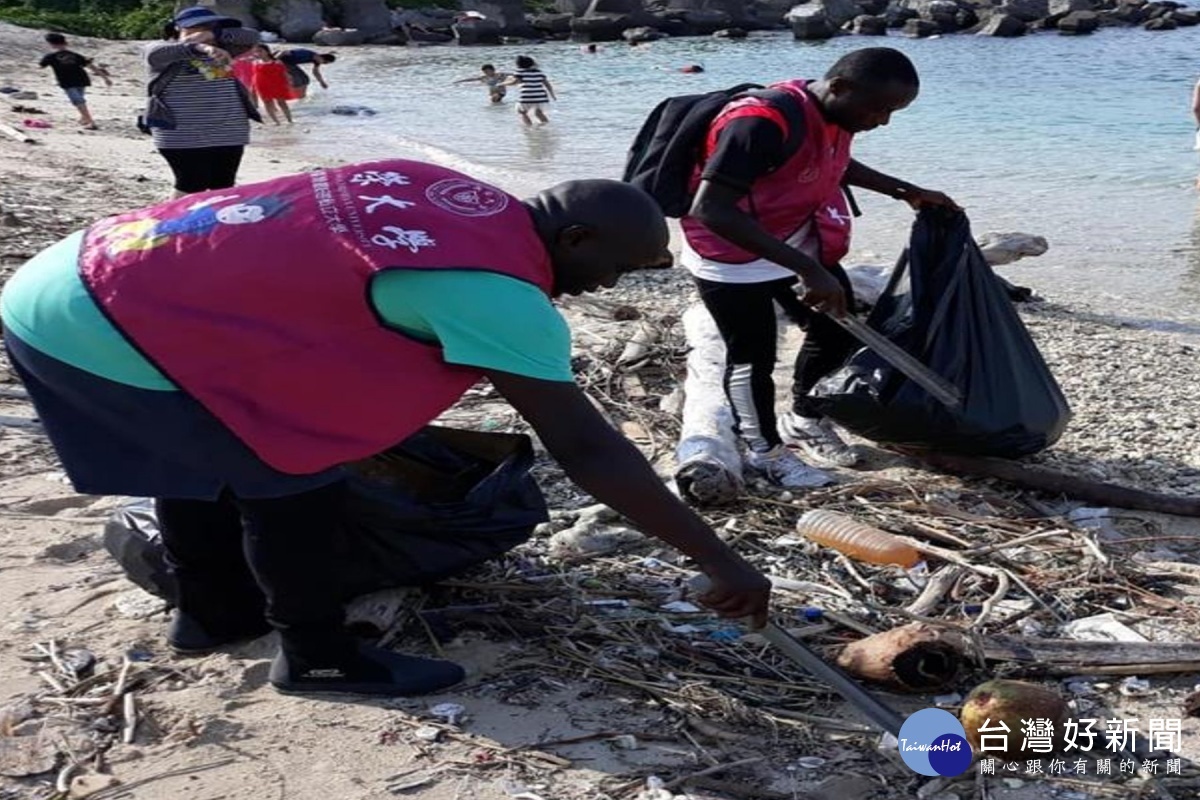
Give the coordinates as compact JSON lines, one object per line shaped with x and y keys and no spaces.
{"x":110,"y":19}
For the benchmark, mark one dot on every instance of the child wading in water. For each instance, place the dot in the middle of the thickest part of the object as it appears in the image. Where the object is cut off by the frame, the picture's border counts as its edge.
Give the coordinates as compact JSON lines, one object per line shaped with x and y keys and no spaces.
{"x":493,"y":80}
{"x":271,"y":84}
{"x":69,"y":71}
{"x":535,"y":92}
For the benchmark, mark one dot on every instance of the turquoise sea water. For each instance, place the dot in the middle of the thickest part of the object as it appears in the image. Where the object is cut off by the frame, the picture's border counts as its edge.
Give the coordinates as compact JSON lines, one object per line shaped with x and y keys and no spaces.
{"x":1086,"y":141}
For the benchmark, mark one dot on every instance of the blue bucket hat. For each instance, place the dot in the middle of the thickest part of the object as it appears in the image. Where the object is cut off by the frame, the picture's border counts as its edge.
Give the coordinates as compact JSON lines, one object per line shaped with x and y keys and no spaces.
{"x":199,"y":15}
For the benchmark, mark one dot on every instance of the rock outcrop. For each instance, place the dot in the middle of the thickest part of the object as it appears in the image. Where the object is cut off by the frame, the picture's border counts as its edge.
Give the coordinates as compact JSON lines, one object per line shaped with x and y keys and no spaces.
{"x":294,"y":20}
{"x":371,"y":17}
{"x":507,"y":21}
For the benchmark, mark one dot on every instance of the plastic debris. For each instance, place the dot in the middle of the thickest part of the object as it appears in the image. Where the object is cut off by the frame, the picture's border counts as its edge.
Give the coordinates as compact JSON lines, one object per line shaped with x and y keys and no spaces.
{"x":1133,"y":686}
{"x":450,"y":712}
{"x":1101,"y":628}
{"x":427,"y":733}
{"x":810,"y":762}
{"x":680,"y":607}
{"x":725,"y":635}
{"x":952,"y":699}
{"x":625,"y":741}
{"x":654,"y":790}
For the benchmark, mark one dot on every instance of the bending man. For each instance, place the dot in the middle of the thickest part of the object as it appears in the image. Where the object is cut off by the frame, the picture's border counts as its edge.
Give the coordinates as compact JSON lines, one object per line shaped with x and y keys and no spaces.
{"x":226,"y":352}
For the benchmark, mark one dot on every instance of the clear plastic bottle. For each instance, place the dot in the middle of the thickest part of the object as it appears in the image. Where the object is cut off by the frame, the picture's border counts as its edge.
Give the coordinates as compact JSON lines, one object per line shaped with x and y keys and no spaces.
{"x":856,"y":539}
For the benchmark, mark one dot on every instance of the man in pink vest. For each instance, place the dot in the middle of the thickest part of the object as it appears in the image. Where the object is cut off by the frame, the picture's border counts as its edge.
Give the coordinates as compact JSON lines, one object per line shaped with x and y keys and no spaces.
{"x":228,"y":351}
{"x":769,"y":224}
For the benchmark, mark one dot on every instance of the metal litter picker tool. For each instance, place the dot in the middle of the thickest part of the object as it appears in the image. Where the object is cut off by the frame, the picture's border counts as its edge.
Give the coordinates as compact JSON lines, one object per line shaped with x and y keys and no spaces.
{"x":875,"y":710}
{"x":938,"y":387}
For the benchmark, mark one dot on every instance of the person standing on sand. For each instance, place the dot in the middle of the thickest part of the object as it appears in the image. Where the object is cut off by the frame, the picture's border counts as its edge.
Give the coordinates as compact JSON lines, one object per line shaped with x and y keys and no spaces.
{"x":70,"y":70}
{"x":271,"y":84}
{"x":210,"y":111}
{"x":493,"y":80}
{"x":769,"y":222}
{"x":183,"y":367}
{"x":535,"y":92}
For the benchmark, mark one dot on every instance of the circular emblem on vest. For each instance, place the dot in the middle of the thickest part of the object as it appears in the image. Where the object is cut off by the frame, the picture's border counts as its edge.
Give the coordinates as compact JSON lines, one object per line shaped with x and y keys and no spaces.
{"x":468,"y":198}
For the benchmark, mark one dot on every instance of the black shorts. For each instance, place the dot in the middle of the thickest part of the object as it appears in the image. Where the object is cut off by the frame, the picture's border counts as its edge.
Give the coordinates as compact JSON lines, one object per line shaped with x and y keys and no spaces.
{"x":198,"y":169}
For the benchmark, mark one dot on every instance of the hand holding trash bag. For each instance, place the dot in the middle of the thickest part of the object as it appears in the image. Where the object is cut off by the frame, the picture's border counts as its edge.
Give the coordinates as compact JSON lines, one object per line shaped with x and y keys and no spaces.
{"x":920,"y":198}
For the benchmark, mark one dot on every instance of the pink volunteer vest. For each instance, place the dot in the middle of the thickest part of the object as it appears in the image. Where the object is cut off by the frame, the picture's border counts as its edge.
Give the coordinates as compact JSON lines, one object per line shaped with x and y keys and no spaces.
{"x":806,"y":187}
{"x":255,"y":299}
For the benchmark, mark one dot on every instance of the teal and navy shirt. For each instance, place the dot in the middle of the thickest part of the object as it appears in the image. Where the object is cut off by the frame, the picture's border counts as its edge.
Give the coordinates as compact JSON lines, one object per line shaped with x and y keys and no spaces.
{"x":479,"y":319}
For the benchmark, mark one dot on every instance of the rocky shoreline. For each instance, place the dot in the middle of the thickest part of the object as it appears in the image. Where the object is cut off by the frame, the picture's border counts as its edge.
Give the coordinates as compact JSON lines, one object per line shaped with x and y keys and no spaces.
{"x":494,"y":22}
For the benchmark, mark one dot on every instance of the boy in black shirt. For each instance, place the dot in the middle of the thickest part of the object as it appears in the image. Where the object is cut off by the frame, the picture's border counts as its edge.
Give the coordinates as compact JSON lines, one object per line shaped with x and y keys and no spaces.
{"x":69,"y":71}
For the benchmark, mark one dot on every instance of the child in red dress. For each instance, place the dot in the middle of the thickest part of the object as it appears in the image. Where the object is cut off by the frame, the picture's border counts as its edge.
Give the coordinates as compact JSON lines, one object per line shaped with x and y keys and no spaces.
{"x":271,"y":84}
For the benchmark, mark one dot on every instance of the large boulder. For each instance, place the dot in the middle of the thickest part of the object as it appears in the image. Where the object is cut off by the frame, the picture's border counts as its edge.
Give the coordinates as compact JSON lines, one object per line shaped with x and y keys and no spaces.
{"x":1079,"y":22}
{"x":599,"y":28}
{"x":1060,"y":8}
{"x":596,"y":7}
{"x":1129,"y":13}
{"x":339,"y":37}
{"x":1160,"y":24}
{"x":1184,"y":18}
{"x":943,"y":12}
{"x":1025,"y":10}
{"x":477,"y":31}
{"x":809,"y":23}
{"x":240,"y":10}
{"x":836,"y":12}
{"x":508,"y":14}
{"x":554,"y":24}
{"x":1004,"y":26}
{"x":735,"y":9}
{"x":371,"y":17}
{"x":770,"y":13}
{"x":576,"y":8}
{"x":920,"y":28}
{"x":897,"y":14}
{"x":866,"y":25}
{"x":706,"y":21}
{"x":641,"y":34}
{"x":296,"y":20}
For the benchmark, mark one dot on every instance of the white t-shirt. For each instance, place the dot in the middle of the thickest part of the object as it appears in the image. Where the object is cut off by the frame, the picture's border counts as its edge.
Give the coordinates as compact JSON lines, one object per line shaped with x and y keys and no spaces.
{"x":758,"y":271}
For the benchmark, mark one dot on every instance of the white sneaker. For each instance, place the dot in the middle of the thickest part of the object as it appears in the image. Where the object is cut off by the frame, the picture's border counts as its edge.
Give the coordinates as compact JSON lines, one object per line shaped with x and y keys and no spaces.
{"x":818,"y":440}
{"x":784,"y":468}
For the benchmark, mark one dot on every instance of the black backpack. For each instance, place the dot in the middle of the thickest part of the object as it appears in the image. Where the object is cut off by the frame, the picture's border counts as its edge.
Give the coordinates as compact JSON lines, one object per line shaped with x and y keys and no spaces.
{"x":665,"y":151}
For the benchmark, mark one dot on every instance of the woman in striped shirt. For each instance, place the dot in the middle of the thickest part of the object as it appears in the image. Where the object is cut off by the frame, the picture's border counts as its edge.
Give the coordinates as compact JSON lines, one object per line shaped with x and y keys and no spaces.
{"x":209,"y":111}
{"x":535,"y":91}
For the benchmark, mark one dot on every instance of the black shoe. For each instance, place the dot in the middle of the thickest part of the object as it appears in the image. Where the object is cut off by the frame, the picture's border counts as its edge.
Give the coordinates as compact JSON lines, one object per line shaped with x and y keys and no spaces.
{"x":188,"y":636}
{"x":363,"y":670}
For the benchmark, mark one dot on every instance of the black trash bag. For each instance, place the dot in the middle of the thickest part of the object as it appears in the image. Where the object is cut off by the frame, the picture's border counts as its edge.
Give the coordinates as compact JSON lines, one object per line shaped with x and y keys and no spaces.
{"x":439,"y":503}
{"x":131,"y":537}
{"x":945,"y":306}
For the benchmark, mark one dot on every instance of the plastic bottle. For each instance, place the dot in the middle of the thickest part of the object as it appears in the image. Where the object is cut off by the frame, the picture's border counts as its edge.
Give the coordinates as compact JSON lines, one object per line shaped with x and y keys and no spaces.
{"x":855,"y":539}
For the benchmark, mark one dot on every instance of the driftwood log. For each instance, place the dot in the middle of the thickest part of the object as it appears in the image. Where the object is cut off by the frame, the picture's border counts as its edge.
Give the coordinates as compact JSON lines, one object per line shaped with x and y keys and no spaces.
{"x":709,"y":470}
{"x":1069,"y":657}
{"x":917,"y":657}
{"x":17,"y":134}
{"x":1048,"y":480}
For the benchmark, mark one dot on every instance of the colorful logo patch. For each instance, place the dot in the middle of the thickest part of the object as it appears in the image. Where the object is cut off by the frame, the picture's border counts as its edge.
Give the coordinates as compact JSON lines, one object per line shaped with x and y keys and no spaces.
{"x":933,"y":742}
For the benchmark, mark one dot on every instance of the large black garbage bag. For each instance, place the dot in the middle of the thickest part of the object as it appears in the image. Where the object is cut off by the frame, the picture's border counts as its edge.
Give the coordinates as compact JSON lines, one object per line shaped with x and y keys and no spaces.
{"x":945,"y":306}
{"x":440,"y":502}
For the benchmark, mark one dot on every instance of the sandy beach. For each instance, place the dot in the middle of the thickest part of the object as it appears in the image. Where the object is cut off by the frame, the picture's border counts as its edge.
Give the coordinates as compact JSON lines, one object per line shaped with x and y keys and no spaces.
{"x":543,"y":721}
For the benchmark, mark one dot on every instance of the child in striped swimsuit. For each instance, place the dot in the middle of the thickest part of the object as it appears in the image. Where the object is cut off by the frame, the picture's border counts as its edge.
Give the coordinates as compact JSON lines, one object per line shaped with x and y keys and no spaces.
{"x":535,"y":91}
